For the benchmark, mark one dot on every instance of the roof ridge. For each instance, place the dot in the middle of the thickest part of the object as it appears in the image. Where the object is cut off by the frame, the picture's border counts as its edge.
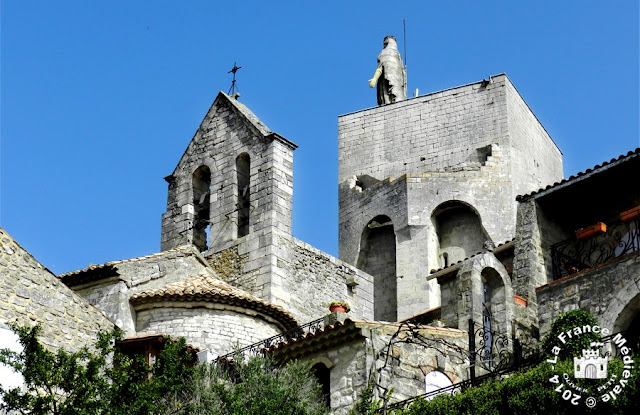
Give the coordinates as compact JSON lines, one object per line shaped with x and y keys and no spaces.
{"x":206,"y":284}
{"x":591,"y":170}
{"x":91,"y":267}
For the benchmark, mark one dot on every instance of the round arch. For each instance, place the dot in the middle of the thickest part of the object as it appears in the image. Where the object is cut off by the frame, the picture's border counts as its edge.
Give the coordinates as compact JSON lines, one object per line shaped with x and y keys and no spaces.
{"x":435,"y":380}
{"x":459,"y":232}
{"x":201,"y":190}
{"x":619,"y":309}
{"x":377,"y":257}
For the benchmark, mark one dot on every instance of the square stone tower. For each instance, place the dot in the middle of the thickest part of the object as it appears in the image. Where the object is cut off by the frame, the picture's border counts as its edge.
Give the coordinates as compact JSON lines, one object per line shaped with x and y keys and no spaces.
{"x":430,"y":181}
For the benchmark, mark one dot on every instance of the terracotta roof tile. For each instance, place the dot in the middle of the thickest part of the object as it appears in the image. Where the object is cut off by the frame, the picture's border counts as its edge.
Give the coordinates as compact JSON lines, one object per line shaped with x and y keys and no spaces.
{"x":208,"y":288}
{"x":498,"y":248}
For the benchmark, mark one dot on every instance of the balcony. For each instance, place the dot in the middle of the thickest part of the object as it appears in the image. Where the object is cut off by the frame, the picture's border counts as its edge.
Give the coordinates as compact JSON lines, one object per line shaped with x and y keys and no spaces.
{"x":574,"y":255}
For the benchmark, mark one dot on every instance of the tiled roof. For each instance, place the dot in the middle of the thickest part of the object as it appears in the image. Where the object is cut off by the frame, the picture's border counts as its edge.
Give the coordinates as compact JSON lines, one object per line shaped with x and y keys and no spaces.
{"x":154,"y":337}
{"x":434,"y":310}
{"x":341,"y":332}
{"x":595,"y":169}
{"x":210,"y":289}
{"x":503,"y":246}
{"x":321,"y":332}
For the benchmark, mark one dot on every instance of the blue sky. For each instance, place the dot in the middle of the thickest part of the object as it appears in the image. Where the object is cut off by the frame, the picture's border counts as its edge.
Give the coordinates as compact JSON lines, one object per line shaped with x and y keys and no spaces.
{"x":100,"y":99}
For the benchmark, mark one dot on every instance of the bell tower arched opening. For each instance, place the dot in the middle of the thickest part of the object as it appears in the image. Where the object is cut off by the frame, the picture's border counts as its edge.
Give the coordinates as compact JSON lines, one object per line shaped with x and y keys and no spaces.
{"x":243,"y":174}
{"x":201,"y":183}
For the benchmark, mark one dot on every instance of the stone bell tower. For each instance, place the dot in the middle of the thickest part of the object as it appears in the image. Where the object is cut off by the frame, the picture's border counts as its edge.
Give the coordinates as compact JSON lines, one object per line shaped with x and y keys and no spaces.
{"x":232,"y":190}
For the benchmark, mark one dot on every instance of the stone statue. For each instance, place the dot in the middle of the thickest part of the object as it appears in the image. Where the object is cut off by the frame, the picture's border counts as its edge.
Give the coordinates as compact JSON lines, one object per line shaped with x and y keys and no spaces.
{"x":392,"y":87}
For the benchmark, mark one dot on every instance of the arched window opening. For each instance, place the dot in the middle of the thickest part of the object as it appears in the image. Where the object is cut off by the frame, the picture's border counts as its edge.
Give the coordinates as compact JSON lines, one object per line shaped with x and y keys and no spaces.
{"x":378,"y":258}
{"x":629,"y":322}
{"x":243,"y":171}
{"x":493,"y":309}
{"x":323,"y":375}
{"x":201,"y":183}
{"x":460,"y":231}
{"x":434,"y":381}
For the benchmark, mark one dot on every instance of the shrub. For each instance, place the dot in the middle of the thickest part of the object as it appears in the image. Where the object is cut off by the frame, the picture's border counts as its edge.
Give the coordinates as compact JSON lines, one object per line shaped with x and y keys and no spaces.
{"x":568,"y":322}
{"x":533,"y":392}
{"x":529,"y":392}
{"x":255,"y":386}
{"x":103,"y":381}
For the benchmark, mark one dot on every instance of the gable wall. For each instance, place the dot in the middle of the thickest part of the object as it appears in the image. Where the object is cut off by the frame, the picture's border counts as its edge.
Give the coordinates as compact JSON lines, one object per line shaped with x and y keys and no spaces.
{"x":226,"y":133}
{"x":30,"y":294}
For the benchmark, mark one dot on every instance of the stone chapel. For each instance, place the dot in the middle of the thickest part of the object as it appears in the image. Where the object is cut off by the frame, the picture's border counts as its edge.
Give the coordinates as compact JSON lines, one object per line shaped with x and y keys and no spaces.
{"x":453,"y":213}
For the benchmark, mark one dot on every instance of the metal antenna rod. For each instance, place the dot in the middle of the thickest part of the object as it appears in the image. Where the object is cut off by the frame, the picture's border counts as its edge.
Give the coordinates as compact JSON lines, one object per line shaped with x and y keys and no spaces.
{"x":404,"y":35}
{"x":404,"y":46}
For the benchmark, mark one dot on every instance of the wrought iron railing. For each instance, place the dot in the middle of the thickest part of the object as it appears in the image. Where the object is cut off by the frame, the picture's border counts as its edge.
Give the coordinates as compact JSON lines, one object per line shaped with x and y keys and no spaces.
{"x":259,"y":348}
{"x":488,"y":345}
{"x":574,"y":255}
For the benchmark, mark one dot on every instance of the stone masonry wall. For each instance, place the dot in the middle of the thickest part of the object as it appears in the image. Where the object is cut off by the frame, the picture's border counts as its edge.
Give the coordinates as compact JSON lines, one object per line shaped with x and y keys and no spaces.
{"x":310,"y":277}
{"x":31,"y":294}
{"x":605,"y":291}
{"x":348,"y":375}
{"x":410,"y":201}
{"x":529,"y":272}
{"x":218,"y":330}
{"x":228,"y":265}
{"x":536,"y":161}
{"x":427,"y":133}
{"x":403,"y":366}
{"x":532,"y":264}
{"x":352,"y":364}
{"x":136,"y":275}
{"x":316,"y":278}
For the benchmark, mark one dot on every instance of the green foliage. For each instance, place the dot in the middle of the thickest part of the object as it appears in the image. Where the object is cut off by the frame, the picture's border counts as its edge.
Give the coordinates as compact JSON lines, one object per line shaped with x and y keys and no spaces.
{"x":100,"y":382}
{"x":107,"y":382}
{"x":256,"y":386}
{"x":532,"y":393}
{"x":366,"y":405}
{"x":340,"y":303}
{"x":569,"y":321}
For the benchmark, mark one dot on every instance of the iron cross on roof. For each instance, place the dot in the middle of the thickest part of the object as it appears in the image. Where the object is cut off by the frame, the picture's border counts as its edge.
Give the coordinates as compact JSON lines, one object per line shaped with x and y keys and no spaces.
{"x":233,"y":90}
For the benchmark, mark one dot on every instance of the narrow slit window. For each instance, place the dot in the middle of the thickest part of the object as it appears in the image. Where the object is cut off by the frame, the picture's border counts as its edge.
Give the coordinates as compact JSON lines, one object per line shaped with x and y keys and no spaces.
{"x":201,"y":183}
{"x":243,"y":168}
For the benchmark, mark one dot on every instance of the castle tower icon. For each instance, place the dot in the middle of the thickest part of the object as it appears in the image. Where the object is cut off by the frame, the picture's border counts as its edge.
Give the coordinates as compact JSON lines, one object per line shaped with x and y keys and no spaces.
{"x":591,"y":365}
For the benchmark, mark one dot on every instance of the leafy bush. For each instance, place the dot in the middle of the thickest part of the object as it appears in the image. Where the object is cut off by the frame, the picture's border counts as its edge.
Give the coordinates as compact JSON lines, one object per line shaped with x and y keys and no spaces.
{"x":255,"y":386}
{"x":533,"y":391}
{"x":530,"y":393}
{"x":110,"y":383}
{"x":565,"y":322}
{"x":85,"y":382}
